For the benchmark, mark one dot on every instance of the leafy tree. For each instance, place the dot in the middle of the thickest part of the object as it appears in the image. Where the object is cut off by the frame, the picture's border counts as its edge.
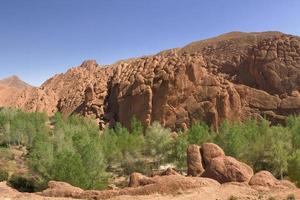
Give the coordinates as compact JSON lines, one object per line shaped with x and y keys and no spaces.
{"x":136,"y":126}
{"x":158,"y":141}
{"x":109,"y":143}
{"x":199,"y":133}
{"x":41,"y":155}
{"x":178,"y":154}
{"x":294,"y":166}
{"x":279,"y":150}
{"x":231,"y":139}
{"x":69,"y":167}
{"x":293,"y":124}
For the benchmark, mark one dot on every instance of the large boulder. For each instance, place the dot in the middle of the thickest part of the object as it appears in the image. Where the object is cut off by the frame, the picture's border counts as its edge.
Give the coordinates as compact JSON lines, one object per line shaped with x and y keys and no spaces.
{"x":210,"y":151}
{"x":194,"y":161}
{"x":266,"y":180}
{"x":263,"y":178}
{"x":227,"y":169}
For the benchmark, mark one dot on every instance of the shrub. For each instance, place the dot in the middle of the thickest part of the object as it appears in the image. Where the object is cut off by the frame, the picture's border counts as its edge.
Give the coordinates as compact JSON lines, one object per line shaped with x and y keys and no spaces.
{"x":231,"y":139}
{"x":71,"y":153}
{"x":291,"y":197}
{"x":18,"y":128}
{"x":6,"y":154}
{"x":68,"y":167}
{"x":178,"y":154}
{"x":158,"y":142}
{"x":293,"y":124}
{"x":23,"y":183}
{"x":3,"y":175}
{"x":120,"y":147}
{"x":232,"y":198}
{"x":199,"y":133}
{"x":294,"y":166}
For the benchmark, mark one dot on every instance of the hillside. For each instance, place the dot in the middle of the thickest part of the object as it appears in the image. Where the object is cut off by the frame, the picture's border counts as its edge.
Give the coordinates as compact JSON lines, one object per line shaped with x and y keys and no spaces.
{"x":234,"y":76}
{"x":10,"y":87}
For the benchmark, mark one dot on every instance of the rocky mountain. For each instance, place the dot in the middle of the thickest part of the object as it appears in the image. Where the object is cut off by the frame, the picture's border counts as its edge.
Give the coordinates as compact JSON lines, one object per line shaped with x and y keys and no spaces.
{"x":14,"y":82}
{"x":10,"y":88}
{"x":234,"y":76}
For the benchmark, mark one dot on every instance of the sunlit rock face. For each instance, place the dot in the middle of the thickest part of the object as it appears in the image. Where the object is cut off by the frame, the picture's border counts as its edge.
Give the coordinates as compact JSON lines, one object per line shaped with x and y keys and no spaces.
{"x":234,"y":76}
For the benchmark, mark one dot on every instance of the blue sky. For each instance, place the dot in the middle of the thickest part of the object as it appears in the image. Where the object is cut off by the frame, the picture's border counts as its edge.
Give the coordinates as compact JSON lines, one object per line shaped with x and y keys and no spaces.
{"x":39,"y":38}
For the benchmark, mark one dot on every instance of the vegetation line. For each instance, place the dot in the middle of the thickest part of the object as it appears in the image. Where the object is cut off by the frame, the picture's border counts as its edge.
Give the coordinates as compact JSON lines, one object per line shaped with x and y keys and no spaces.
{"x":73,"y":150}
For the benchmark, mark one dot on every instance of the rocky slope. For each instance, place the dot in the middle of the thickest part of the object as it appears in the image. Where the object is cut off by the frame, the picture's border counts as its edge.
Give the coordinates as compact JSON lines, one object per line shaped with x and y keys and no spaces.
{"x":234,"y":76}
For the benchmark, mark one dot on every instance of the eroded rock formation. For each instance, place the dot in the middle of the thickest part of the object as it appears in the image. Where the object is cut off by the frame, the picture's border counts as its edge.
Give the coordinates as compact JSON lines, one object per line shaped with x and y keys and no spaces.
{"x":234,"y":76}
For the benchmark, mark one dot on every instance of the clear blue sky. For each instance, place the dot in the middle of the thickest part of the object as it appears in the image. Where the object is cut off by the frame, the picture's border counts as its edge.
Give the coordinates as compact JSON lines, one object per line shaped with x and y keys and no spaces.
{"x":39,"y":38}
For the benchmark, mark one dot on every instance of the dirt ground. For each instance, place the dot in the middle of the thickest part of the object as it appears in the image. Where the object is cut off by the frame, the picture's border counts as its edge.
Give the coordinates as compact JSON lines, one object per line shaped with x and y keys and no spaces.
{"x":208,"y":192}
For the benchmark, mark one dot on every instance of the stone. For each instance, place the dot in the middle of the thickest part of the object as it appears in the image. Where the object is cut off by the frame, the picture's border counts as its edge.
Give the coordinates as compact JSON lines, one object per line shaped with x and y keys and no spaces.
{"x":194,"y":161}
{"x":263,"y":178}
{"x":210,"y":151}
{"x":227,"y":169}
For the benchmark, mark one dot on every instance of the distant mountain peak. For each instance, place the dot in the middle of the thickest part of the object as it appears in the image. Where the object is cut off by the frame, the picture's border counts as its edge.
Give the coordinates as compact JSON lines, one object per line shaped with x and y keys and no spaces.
{"x":14,"y":81}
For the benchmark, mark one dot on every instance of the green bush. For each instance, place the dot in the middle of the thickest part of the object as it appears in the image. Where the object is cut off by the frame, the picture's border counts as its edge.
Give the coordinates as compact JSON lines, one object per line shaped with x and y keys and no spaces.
{"x":293,"y":125}
{"x":23,"y":183}
{"x":291,"y":197}
{"x":178,"y":154}
{"x":71,"y":153}
{"x":158,"y":141}
{"x":199,"y":133}
{"x":68,"y":167}
{"x":294,"y":166}
{"x":120,"y":147}
{"x":232,"y":198}
{"x":6,"y":154}
{"x":3,"y":175}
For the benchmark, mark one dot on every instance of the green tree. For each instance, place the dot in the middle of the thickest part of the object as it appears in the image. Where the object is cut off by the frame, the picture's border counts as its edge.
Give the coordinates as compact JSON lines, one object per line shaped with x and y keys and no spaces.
{"x":293,"y":124}
{"x":199,"y":133}
{"x":232,"y":139}
{"x":136,"y":126}
{"x":158,"y":141}
{"x":279,"y":150}
{"x":69,"y":167}
{"x":178,"y":154}
{"x":294,"y":166}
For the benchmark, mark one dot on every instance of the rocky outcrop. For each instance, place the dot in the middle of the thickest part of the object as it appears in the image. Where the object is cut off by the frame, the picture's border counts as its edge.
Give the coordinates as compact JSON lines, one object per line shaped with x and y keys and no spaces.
{"x":234,"y":76}
{"x":194,"y":161}
{"x":210,"y":161}
{"x":263,"y":178}
{"x":227,"y":169}
{"x":210,"y":151}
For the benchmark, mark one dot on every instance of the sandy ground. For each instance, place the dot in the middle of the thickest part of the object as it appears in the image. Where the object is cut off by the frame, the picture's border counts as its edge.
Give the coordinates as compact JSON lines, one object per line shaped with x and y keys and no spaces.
{"x":7,"y":193}
{"x":223,"y":192}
